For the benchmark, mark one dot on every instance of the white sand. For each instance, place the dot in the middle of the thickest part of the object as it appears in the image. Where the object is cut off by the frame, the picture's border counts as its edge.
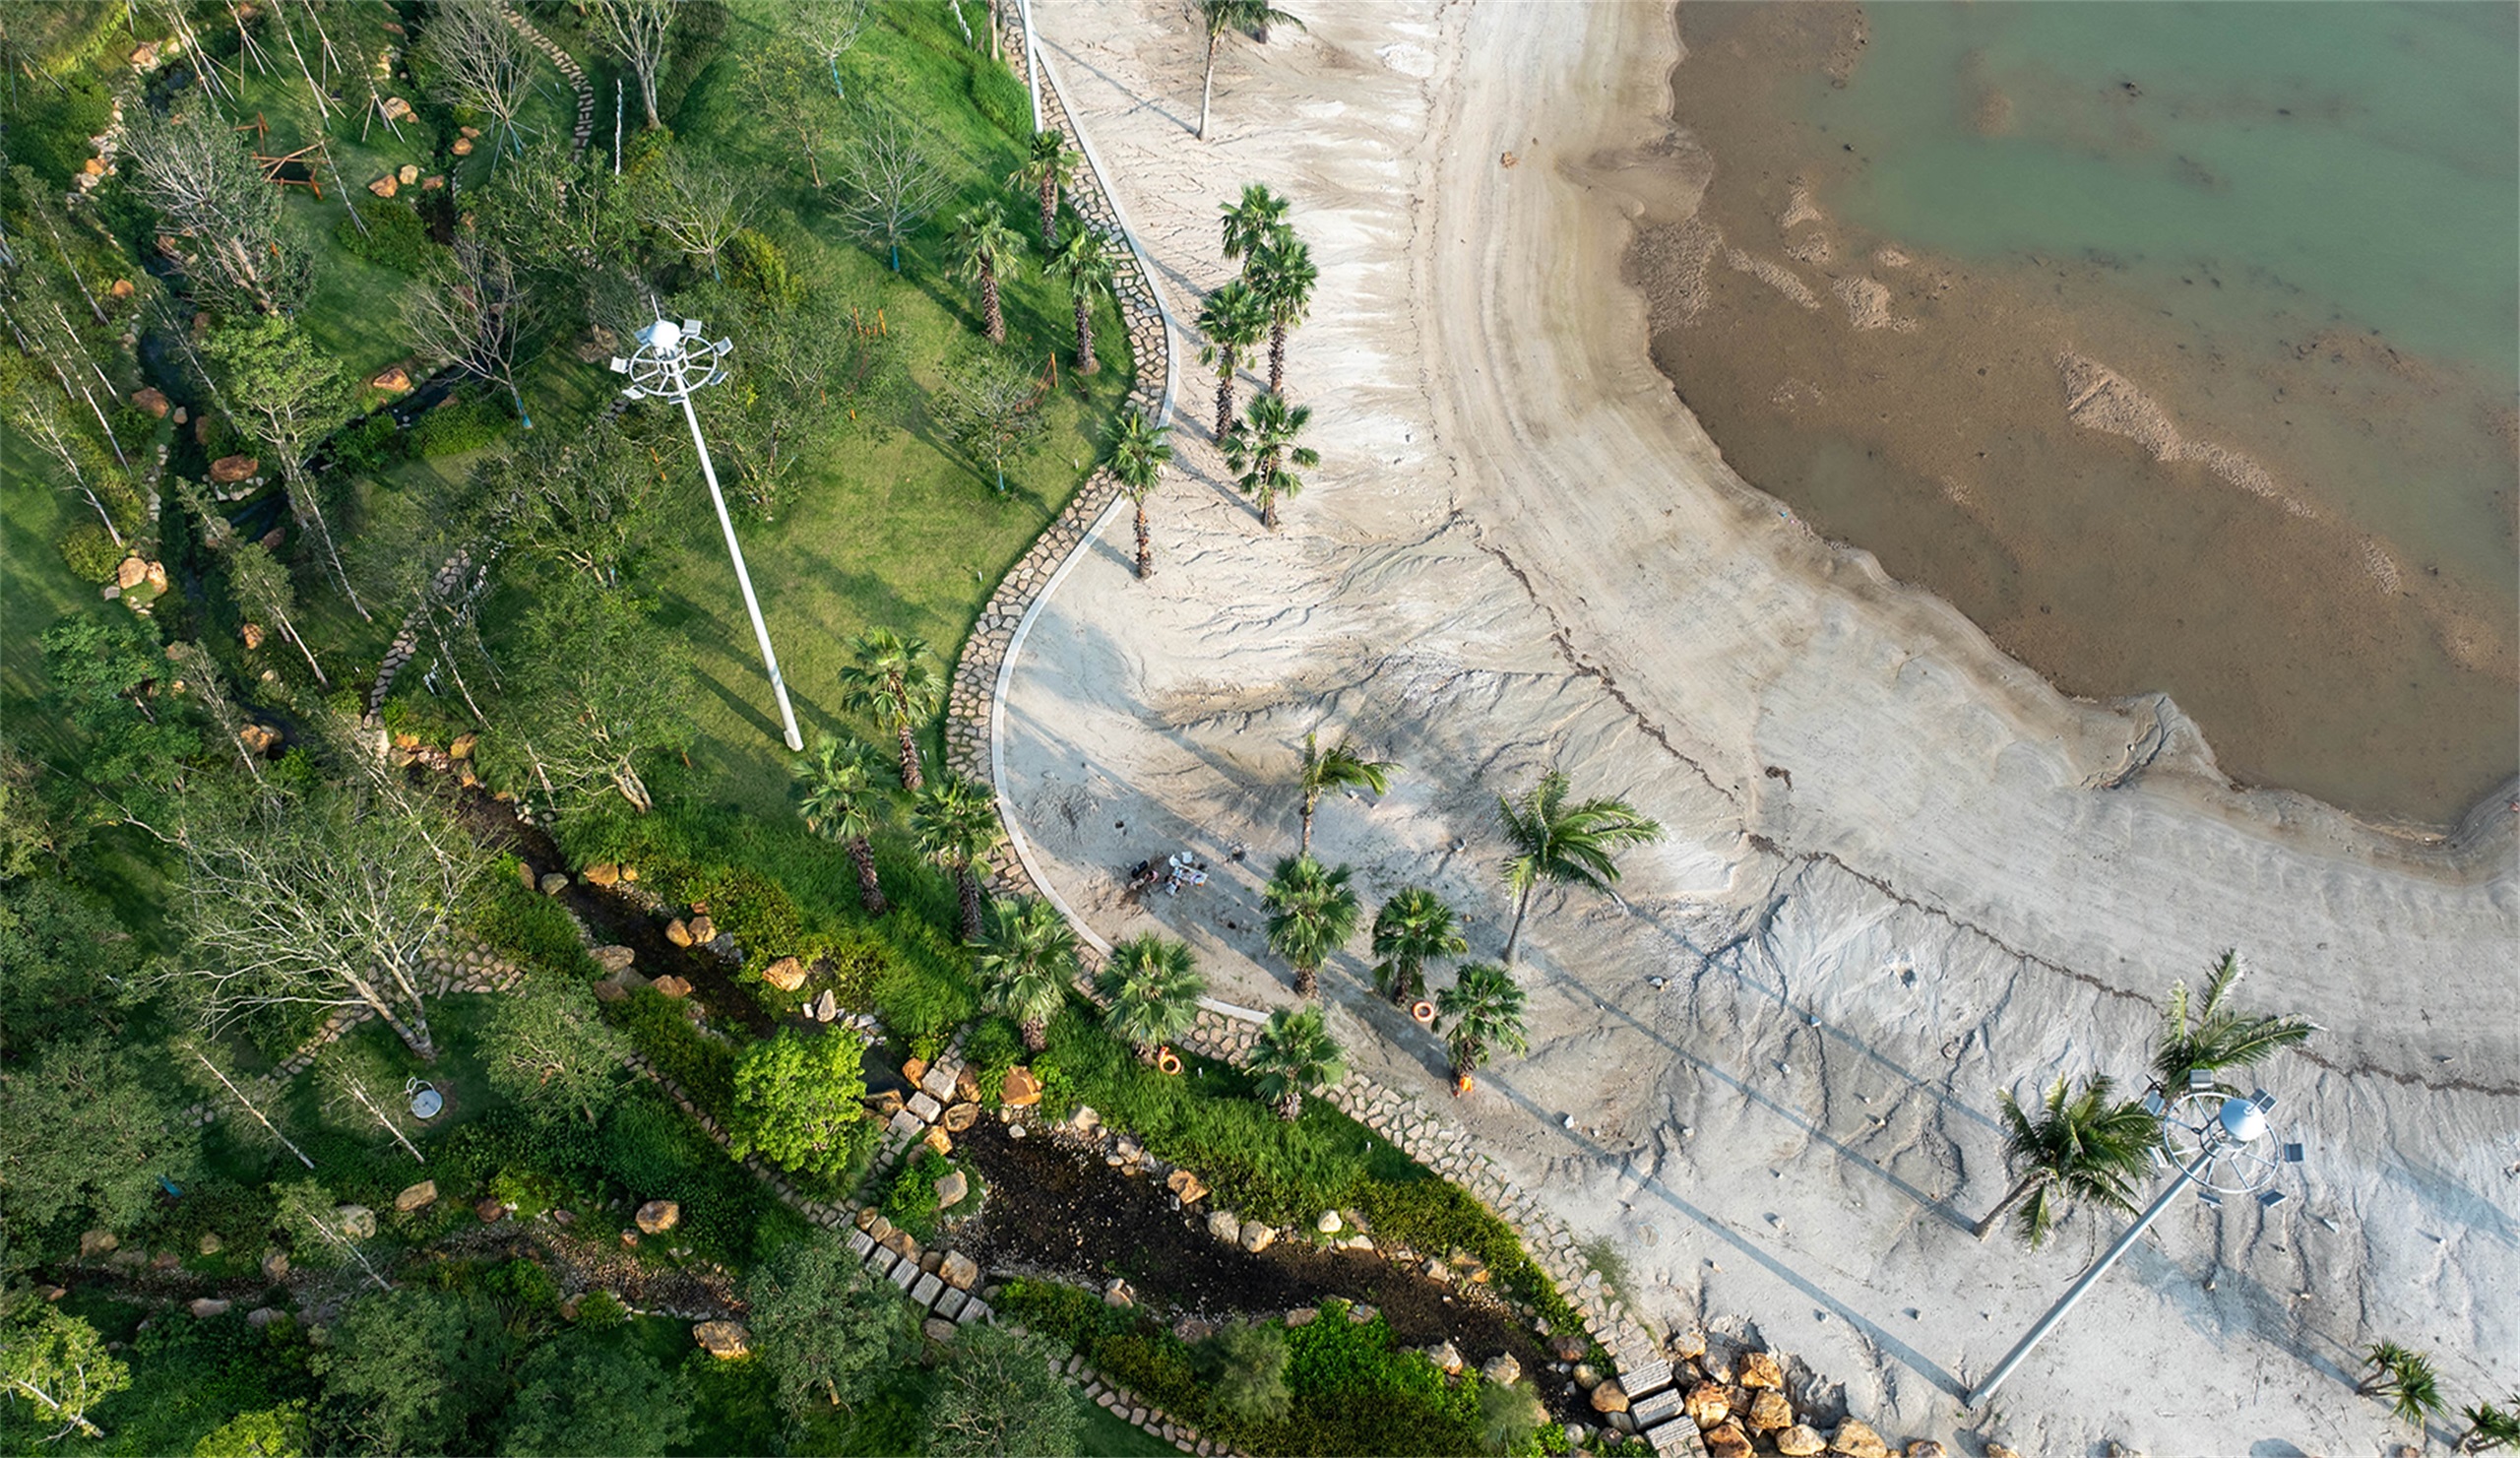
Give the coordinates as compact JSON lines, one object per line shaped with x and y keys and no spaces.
{"x":1520,"y":551}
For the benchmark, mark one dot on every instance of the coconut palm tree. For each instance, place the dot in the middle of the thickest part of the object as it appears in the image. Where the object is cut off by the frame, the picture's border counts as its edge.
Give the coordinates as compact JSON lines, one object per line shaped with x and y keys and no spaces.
{"x":2406,"y":1378}
{"x":1478,"y":1014}
{"x":956,"y":822}
{"x":1048,"y":167}
{"x":1233,"y":320}
{"x":1571,"y":845}
{"x":1082,"y":260}
{"x":1152,"y":987}
{"x":2491,"y":1427}
{"x":984,"y":246}
{"x":1312,"y":911}
{"x":1251,"y":223}
{"x":1222,"y":17}
{"x":1280,"y":272}
{"x":1261,"y":450}
{"x":2216,"y":1038}
{"x":1024,"y":962}
{"x":845,"y":797}
{"x":1336,"y":768}
{"x":2089,"y":1146}
{"x":1414,"y":927}
{"x":1139,"y":455}
{"x":895,"y":680}
{"x":1294,"y":1055}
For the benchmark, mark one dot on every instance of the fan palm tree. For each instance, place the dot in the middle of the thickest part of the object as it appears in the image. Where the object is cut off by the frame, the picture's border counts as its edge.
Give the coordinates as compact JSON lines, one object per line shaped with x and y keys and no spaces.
{"x":1139,"y":455}
{"x":1294,"y":1055}
{"x":1222,"y":17}
{"x":1280,"y":272}
{"x":956,"y":822}
{"x":1024,"y":962}
{"x":1084,"y":262}
{"x":845,"y":799}
{"x":1261,"y":450}
{"x":1414,"y":927}
{"x":895,"y":680}
{"x":983,"y":246}
{"x":1571,"y":845}
{"x":1312,"y":911}
{"x":1048,"y":167}
{"x":1336,"y":768}
{"x":1233,"y":320}
{"x":1152,"y":987}
{"x":1251,"y":223}
{"x":2216,"y":1038}
{"x":1479,"y":1013}
{"x":2491,"y":1427}
{"x":2406,"y":1378}
{"x":2088,"y":1146}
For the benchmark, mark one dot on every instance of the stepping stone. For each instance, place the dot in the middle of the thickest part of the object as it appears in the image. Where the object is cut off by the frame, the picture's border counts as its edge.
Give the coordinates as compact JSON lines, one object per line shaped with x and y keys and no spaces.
{"x":860,"y":1244}
{"x":903,"y":1273}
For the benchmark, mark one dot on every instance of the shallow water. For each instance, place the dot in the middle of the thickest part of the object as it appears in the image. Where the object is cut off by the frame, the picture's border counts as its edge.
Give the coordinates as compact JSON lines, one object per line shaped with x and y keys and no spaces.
{"x":2175,"y":345}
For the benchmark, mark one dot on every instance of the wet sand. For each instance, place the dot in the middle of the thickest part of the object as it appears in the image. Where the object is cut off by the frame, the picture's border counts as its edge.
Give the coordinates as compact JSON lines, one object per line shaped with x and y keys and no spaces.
{"x":2123,"y":502}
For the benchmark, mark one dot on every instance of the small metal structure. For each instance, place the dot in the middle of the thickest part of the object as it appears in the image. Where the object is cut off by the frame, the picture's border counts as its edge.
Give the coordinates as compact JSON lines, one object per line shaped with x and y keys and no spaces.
{"x":672,"y":360}
{"x":426,"y":1101}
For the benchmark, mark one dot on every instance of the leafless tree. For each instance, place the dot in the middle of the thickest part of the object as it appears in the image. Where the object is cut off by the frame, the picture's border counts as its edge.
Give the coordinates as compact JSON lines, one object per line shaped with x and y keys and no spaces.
{"x":336,"y":901}
{"x":222,"y":217}
{"x":203,"y":679}
{"x":888,"y":188}
{"x":473,"y":310}
{"x":634,"y":33}
{"x":476,"y":59}
{"x":354,"y":1087}
{"x":42,"y":420}
{"x":830,"y":29}
{"x":694,"y":204}
{"x":224,"y":1082}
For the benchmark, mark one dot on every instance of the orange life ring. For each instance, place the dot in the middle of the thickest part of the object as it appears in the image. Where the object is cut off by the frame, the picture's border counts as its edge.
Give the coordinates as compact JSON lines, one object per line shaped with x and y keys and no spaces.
{"x":1424,"y":1011}
{"x":1461,"y":1085}
{"x":1168,"y":1061}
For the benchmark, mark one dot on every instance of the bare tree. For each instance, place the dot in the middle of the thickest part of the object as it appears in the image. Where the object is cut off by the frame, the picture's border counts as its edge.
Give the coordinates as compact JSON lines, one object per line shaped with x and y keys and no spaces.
{"x":337,"y":901}
{"x":263,"y":590}
{"x":355,"y":1088}
{"x":202,"y":676}
{"x":238,"y":1095}
{"x":990,"y":408}
{"x":476,"y":59}
{"x":473,"y":310}
{"x":830,"y":29}
{"x":696,"y":204}
{"x":888,"y":188}
{"x":322,"y":1231}
{"x":40,"y":419}
{"x":634,"y":31}
{"x":782,"y":89}
{"x":222,"y":217}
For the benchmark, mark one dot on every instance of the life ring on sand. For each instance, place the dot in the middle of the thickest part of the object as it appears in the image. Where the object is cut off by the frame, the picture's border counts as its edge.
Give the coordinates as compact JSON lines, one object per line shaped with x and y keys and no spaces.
{"x":1424,"y":1011}
{"x":1168,"y":1061}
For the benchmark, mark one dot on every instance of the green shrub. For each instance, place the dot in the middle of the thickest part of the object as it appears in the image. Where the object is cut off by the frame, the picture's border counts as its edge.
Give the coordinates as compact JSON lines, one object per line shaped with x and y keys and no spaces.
{"x":50,"y":122}
{"x":1436,"y":1217}
{"x":1245,"y":1368}
{"x":702,"y":1066}
{"x":995,"y":1047}
{"x":755,"y":265}
{"x":600,"y":1311}
{"x":529,"y":925}
{"x":462,"y":426}
{"x":368,"y":444}
{"x":522,"y":1291}
{"x":90,"y":552}
{"x":395,"y":236}
{"x":1002,"y":98}
{"x":910,"y":1202}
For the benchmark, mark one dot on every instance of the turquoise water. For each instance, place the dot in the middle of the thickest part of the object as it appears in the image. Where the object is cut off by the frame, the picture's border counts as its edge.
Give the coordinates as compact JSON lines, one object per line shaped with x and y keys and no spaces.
{"x":2348,"y":161}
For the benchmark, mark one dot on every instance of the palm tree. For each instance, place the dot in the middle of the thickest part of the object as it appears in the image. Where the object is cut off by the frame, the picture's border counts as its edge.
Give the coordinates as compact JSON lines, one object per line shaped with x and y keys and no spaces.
{"x":895,"y":680}
{"x":1294,"y":1055}
{"x":1250,"y":222}
{"x":1153,"y":986}
{"x":1025,"y":961}
{"x":2406,"y":1378}
{"x":1048,"y":167}
{"x":1233,"y":320}
{"x":2491,"y":1427}
{"x":1412,"y":928}
{"x":1261,"y":449}
{"x":2089,"y":1146}
{"x":956,"y":821}
{"x":1223,"y":16}
{"x":1571,"y":845}
{"x":1084,"y":261}
{"x":1280,"y":272}
{"x":1312,"y":911}
{"x":845,"y":799}
{"x":1335,"y":768}
{"x":982,"y":243}
{"x":1479,"y":1013}
{"x":1138,"y":458}
{"x":2217,"y":1038}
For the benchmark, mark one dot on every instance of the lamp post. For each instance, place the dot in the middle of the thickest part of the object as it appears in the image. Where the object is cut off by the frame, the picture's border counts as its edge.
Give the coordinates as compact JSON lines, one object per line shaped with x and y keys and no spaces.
{"x":2214,"y":1143}
{"x":668,"y":357}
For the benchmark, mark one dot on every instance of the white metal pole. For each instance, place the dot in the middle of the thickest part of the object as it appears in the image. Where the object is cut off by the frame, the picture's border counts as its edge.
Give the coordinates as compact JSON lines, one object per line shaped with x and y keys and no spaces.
{"x":1032,"y":60}
{"x":743,"y":579}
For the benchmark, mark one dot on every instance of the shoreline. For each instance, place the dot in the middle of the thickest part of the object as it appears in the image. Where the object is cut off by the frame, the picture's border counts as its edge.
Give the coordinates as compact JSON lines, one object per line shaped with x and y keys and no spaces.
{"x":1767,"y":1076}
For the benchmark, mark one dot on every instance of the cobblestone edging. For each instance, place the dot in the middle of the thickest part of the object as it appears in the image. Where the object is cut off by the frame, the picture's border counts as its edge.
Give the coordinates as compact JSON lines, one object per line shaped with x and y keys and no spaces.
{"x":569,"y":68}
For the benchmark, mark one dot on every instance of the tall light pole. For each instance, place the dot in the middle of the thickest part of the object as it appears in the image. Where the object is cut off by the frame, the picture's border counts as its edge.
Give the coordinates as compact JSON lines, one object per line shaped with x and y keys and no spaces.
{"x":669,"y":356}
{"x":2212,"y":1141}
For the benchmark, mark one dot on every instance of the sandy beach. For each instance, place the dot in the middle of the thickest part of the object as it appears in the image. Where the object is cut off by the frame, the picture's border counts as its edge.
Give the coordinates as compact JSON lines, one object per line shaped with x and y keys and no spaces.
{"x":1903,"y":874}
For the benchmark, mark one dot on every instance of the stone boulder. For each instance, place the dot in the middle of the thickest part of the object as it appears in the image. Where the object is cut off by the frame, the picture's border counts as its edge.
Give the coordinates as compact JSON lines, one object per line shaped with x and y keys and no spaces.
{"x":1185,"y":1187}
{"x":208,"y":1306}
{"x":672,"y":986}
{"x":554,"y":883}
{"x":1084,"y":1119}
{"x":1502,"y":1369}
{"x":601,"y":873}
{"x":151,"y":399}
{"x":393,"y":379}
{"x":786,"y":974}
{"x":1761,"y":1369}
{"x":952,"y":1190}
{"x":1257,"y":1238}
{"x":609,"y":990}
{"x":252,"y":633}
{"x":227,"y":471}
{"x":1998,"y":1450}
{"x":211,"y":1245}
{"x":1329,"y":1223}
{"x":940,"y":1141}
{"x":1926,"y":1447}
{"x":409,"y":174}
{"x":938,"y":1330}
{"x":962,"y":1116}
{"x":1855,"y":1439}
{"x":1447,"y":1357}
{"x":723,"y":1340}
{"x":703,"y":930}
{"x":1223,"y":1224}
{"x":826,"y":1007}
{"x":958,"y":1271}
{"x":275,"y":1265}
{"x":491,"y":1210}
{"x":1688,"y":1344}
{"x":416,"y":1196}
{"x":1609,"y":1397}
{"x":1119,"y":1293}
{"x":130,"y":573}
{"x":262,"y":1316}
{"x":657,"y":1217}
{"x":1800,"y":1441}
{"x":357,"y":1220}
{"x":462,"y":147}
{"x":99,"y":1242}
{"x":1021,"y":1090}
{"x":385,"y":186}
{"x":1769,"y":1411}
{"x":1728,"y":1440}
{"x":1587,"y":1376}
{"x":395,"y":108}
{"x":1705,"y":1405}
{"x":616,"y":958}
{"x":1719,"y":1365}
{"x":257,"y":739}
{"x":678,"y":932}
{"x":156,"y":576}
{"x":1566,"y":1345}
